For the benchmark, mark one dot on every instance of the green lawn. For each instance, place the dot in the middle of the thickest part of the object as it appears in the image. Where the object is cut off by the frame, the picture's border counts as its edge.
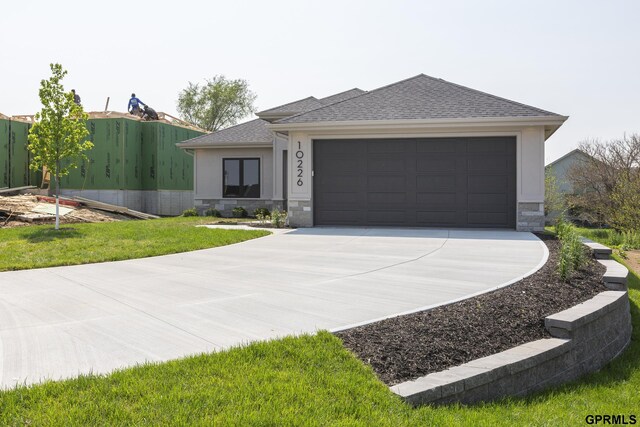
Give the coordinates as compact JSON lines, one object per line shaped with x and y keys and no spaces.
{"x":611,"y":237}
{"x":310,"y":380}
{"x":42,"y":246}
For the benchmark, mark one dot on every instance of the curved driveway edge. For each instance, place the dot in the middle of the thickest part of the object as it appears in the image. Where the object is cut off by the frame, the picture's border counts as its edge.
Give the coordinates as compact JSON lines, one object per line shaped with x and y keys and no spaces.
{"x":60,"y":322}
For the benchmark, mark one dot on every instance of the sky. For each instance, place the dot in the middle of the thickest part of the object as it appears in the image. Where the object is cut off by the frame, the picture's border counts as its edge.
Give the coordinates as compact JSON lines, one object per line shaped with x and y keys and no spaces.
{"x":575,"y":58}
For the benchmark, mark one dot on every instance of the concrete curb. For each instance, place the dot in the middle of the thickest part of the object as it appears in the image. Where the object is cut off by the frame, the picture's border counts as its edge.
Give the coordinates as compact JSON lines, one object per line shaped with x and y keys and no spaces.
{"x":585,"y":338}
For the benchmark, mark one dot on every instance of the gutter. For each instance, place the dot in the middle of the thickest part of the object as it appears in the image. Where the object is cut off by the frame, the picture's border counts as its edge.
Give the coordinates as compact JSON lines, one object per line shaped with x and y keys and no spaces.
{"x":417,"y":123}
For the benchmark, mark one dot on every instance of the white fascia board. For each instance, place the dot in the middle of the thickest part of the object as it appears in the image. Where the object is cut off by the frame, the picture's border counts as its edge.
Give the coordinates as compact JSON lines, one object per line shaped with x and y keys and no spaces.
{"x":551,"y":121}
{"x":204,"y":146}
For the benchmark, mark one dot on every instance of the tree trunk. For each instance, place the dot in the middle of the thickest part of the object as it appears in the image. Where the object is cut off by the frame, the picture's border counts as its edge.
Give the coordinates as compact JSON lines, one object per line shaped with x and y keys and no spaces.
{"x":57,"y":202}
{"x":57,"y":175}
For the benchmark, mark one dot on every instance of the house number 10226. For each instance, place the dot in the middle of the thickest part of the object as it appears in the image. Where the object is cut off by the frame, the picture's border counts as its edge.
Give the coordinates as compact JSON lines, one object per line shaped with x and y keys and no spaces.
{"x":300,"y":165}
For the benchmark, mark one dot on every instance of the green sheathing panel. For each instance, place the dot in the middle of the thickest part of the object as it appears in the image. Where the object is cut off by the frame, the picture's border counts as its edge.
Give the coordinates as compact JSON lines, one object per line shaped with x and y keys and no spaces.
{"x":19,"y":173}
{"x":115,"y":161}
{"x":4,"y":153}
{"x":165,"y":166}
{"x":149,"y":156}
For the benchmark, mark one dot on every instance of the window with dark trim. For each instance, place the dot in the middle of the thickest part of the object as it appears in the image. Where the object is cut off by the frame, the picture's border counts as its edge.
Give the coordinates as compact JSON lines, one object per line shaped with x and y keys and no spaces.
{"x":241,"y":178}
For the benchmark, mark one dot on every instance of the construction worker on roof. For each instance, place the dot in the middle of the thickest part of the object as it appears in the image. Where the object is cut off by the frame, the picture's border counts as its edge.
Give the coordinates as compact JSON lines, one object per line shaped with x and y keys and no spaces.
{"x":76,"y":97}
{"x":134,"y":105}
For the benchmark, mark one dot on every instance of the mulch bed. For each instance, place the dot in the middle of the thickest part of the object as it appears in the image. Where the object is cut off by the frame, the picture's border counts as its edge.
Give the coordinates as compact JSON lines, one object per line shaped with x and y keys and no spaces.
{"x":407,"y":347}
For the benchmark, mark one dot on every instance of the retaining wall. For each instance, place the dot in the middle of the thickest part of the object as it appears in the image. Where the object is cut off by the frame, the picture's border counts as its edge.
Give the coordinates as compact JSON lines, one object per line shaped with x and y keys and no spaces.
{"x":585,"y":338}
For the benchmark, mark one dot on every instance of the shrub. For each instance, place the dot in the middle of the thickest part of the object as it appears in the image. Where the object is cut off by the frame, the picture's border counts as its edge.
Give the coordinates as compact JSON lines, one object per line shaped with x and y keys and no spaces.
{"x":239,"y":212}
{"x":264,"y":212}
{"x":212,"y":212}
{"x":625,"y":203}
{"x":278,"y":218}
{"x":631,"y":239}
{"x":190,"y":212}
{"x":573,"y":254}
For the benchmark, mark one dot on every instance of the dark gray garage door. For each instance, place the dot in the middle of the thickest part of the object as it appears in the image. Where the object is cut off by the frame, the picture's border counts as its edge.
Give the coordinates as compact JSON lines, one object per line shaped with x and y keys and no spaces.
{"x":431,"y":182}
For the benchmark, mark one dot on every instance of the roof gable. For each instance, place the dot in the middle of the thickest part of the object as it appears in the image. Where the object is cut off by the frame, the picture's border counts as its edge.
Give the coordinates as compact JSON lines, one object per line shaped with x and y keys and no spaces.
{"x":420,"y":97}
{"x":571,"y":156}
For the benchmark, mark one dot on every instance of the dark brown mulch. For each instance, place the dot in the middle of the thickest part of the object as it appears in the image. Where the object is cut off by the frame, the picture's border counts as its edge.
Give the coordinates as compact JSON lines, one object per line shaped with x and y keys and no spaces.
{"x":411,"y":346}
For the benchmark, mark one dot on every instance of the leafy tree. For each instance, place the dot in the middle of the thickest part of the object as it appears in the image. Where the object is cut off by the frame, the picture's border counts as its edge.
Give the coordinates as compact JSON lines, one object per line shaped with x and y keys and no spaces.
{"x":57,"y":138}
{"x":217,"y":104}
{"x":609,"y":168}
{"x":625,"y":203}
{"x":554,"y":202}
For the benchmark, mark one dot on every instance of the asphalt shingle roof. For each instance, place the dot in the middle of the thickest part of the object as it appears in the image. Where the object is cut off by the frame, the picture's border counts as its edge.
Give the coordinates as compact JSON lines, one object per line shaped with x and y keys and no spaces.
{"x":251,"y":132}
{"x":298,"y":106}
{"x":342,"y":96}
{"x":420,"y":97}
{"x":255,"y":131}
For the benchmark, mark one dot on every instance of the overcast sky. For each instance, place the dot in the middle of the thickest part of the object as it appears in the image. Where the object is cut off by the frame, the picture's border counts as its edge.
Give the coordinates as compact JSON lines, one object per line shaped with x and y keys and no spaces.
{"x":576,"y":58}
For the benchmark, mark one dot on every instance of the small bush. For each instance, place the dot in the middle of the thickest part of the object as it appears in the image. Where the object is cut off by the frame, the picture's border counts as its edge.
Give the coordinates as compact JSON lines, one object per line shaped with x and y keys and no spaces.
{"x":631,"y":239}
{"x":601,"y":234}
{"x":239,"y":212}
{"x":278,"y":218}
{"x":264,"y":212}
{"x":616,"y":238}
{"x":212,"y":212}
{"x":573,"y":254}
{"x":190,"y":212}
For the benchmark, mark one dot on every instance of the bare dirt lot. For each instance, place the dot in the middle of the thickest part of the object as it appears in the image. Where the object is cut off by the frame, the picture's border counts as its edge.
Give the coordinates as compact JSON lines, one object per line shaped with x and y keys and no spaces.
{"x":26,"y":209}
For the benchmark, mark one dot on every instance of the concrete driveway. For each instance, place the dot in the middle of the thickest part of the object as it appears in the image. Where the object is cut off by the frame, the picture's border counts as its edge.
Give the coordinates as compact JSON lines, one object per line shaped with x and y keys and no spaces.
{"x":60,"y":322}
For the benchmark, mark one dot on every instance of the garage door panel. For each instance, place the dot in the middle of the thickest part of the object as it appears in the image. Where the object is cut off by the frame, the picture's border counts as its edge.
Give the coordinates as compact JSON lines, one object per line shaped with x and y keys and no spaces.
{"x":436,"y":199}
{"x":339,"y":148}
{"x":436,"y":219}
{"x":387,"y":198}
{"x":500,"y":199}
{"x":437,"y":145}
{"x":340,"y":216}
{"x":487,"y":219}
{"x":436,"y":183}
{"x":341,"y":199}
{"x":387,"y":146}
{"x":488,"y":145}
{"x":487,"y":163}
{"x":344,"y":166}
{"x":341,"y":183}
{"x":488,"y":184}
{"x":447,"y":182}
{"x":387,"y":217}
{"x":386,"y":165}
{"x":484,"y":208}
{"x":435,"y":164}
{"x":386,"y":183}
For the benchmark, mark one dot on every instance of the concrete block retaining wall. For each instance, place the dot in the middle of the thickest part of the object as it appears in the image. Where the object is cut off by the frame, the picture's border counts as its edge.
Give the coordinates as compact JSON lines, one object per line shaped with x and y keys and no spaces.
{"x":226,"y":206}
{"x":585,"y":338}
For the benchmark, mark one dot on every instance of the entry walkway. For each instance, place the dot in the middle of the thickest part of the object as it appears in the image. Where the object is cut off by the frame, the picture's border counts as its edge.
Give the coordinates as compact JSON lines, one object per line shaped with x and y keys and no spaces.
{"x":60,"y":322}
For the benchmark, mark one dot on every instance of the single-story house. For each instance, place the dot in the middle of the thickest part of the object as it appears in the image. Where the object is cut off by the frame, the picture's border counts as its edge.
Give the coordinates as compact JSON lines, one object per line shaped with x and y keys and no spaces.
{"x":422,"y":152}
{"x":560,"y":169}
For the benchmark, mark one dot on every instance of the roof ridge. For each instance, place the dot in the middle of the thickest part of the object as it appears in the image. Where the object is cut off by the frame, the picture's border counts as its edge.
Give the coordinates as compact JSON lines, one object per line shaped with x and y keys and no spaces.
{"x":288,"y":103}
{"x":352,"y":98}
{"x":340,"y":93}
